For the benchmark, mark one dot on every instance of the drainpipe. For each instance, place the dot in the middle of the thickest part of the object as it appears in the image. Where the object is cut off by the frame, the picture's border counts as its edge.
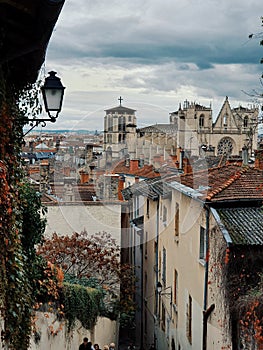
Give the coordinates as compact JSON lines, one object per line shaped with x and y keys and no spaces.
{"x":206,"y":312}
{"x":156,"y":275}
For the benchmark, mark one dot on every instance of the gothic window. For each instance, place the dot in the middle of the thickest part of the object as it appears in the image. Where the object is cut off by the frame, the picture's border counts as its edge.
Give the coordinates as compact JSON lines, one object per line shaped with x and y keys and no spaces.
{"x":245,"y":122}
{"x":201,"y":121}
{"x":225,"y":146}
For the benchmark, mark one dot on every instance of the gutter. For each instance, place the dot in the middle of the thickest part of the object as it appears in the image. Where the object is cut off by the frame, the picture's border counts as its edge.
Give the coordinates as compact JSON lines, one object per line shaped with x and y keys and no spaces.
{"x":156,"y":276}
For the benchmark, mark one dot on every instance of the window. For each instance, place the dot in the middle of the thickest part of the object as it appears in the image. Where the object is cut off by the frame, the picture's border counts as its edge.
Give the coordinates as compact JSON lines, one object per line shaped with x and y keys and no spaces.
{"x":201,"y":121}
{"x":164,"y":215}
{"x":148,"y":208}
{"x":202,"y":247}
{"x":121,"y":126}
{"x":176,"y":220}
{"x":146,"y":245}
{"x":225,"y":119}
{"x":175,"y":287}
{"x":246,"y":121}
{"x":163,"y":315}
{"x":189,"y":319}
{"x":110,"y":123}
{"x":164,"y":267}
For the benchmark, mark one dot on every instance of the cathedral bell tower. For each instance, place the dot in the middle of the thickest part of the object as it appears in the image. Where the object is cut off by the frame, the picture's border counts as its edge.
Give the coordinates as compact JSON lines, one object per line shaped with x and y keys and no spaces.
{"x":118,"y":122}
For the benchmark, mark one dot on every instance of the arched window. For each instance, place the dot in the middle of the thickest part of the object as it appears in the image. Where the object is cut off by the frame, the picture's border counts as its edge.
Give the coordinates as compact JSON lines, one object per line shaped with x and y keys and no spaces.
{"x":201,"y":121}
{"x":245,"y":122}
{"x":225,"y":119}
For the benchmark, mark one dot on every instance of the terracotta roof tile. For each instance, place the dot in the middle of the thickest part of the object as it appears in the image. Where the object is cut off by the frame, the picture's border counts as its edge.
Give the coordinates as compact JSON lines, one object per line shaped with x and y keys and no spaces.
{"x":147,"y":171}
{"x":229,"y":182}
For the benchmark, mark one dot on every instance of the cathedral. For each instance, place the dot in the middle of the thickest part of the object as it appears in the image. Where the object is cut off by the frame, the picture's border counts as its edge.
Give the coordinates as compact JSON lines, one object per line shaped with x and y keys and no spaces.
{"x":191,"y":128}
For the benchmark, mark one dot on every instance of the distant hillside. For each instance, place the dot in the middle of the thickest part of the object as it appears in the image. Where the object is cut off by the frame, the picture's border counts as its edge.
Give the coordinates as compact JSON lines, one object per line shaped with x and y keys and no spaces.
{"x":64,"y":131}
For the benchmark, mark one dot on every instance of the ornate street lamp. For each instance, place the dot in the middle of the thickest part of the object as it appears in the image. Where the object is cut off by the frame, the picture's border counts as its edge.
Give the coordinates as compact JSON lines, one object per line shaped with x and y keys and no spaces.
{"x":53,"y":93}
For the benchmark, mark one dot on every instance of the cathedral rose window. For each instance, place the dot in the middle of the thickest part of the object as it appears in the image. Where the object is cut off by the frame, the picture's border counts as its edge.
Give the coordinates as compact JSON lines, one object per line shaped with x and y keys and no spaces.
{"x":225,"y":146}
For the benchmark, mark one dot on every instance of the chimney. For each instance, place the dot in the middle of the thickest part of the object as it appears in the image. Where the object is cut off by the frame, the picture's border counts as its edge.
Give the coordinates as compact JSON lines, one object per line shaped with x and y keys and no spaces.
{"x":134,"y":164}
{"x":121,"y":183}
{"x":187,"y":166}
{"x":84,"y":177}
{"x":137,"y":179}
{"x":181,"y":161}
{"x":44,"y":185}
{"x":245,"y":155}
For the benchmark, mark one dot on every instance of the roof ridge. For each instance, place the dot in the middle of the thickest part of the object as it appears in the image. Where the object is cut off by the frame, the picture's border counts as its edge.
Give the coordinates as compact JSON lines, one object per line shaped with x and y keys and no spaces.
{"x":228,"y":182}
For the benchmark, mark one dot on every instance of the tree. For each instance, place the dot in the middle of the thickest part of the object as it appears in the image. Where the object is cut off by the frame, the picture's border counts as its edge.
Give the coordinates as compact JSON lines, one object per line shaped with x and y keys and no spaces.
{"x":94,"y":261}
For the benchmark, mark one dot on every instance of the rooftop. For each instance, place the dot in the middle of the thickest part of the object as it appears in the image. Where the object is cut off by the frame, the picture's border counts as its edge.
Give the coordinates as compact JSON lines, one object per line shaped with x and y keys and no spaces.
{"x":146,"y":171}
{"x":228,"y":182}
{"x":250,"y":232}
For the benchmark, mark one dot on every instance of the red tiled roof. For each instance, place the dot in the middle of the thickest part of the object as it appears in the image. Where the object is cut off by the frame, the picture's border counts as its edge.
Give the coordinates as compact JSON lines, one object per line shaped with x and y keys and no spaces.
{"x":229,"y":182}
{"x":147,"y":171}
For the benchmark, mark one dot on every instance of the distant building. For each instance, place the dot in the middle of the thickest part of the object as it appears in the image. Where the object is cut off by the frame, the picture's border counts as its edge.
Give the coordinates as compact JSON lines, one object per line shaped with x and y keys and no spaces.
{"x":227,"y":135}
{"x":119,"y":122}
{"x":191,"y":128}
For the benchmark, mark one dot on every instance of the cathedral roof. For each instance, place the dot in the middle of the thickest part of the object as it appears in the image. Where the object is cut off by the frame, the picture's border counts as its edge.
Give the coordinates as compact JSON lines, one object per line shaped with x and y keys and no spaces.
{"x":159,"y":128}
{"x":120,"y":110}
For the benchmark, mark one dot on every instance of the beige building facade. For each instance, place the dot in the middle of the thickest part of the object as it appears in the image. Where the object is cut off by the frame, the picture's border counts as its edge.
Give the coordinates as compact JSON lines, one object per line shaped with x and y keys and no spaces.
{"x":181,"y":246}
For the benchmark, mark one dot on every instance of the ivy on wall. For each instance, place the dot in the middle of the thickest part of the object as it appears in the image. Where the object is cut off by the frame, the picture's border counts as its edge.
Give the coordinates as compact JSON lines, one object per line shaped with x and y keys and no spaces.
{"x":26,"y":280}
{"x":21,"y":226}
{"x":81,"y":303}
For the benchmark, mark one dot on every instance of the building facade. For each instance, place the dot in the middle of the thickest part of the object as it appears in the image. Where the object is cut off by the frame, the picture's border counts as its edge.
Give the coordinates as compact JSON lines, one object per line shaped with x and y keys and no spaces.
{"x":199,"y":259}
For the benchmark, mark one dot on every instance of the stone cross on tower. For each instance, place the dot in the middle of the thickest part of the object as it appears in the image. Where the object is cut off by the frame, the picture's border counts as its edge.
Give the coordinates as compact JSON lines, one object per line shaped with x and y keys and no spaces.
{"x":120,"y":99}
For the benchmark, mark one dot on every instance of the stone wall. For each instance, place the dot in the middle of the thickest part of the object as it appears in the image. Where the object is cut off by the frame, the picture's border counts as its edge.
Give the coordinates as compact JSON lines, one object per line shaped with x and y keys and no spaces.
{"x":53,"y":335}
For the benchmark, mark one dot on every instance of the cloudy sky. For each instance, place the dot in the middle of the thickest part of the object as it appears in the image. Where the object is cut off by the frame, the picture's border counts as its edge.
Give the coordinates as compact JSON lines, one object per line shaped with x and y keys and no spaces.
{"x":155,"y":54}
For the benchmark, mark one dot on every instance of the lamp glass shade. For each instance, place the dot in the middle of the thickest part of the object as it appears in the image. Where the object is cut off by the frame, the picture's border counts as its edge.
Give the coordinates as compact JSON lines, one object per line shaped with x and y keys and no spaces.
{"x":53,"y":93}
{"x":159,"y":287}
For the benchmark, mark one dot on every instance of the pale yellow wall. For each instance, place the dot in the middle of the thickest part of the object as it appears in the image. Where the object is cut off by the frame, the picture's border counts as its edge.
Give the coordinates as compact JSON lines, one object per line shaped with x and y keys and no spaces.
{"x":66,"y":219}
